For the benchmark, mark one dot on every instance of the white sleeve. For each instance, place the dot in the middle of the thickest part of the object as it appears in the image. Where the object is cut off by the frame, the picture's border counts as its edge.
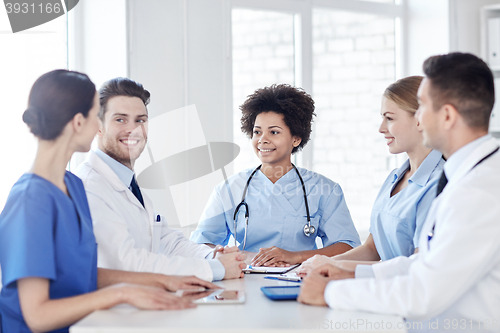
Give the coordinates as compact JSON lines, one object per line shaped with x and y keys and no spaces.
{"x":117,"y":250}
{"x":173,"y":243}
{"x":393,"y":267}
{"x":463,"y":252}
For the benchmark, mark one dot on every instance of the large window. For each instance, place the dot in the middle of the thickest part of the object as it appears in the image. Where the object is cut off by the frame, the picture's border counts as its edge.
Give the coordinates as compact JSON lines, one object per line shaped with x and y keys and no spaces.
{"x":263,"y":54}
{"x":75,"y":41}
{"x":354,"y":60}
{"x":24,"y":57}
{"x":348,"y":55}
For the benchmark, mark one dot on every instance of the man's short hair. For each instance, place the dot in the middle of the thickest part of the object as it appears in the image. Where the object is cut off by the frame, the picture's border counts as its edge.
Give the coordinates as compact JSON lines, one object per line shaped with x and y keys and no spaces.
{"x":120,"y":86}
{"x":464,"y":81}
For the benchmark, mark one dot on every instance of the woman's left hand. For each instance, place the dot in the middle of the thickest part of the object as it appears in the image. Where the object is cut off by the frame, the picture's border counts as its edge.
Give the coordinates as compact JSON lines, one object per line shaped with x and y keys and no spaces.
{"x":174,"y":283}
{"x":275,"y":257}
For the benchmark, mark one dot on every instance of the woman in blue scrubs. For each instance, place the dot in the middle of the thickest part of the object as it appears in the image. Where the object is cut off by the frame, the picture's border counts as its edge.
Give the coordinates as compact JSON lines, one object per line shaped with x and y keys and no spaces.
{"x":406,"y":195}
{"x":288,"y":207}
{"x":48,"y":252}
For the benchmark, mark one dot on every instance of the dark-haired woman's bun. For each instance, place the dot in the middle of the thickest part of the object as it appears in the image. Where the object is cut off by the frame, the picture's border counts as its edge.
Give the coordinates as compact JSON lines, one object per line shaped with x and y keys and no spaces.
{"x":55,"y":98}
{"x":34,"y":119}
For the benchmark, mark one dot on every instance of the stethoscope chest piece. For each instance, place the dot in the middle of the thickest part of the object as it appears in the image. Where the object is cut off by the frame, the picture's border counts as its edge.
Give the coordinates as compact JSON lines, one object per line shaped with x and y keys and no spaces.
{"x":309,"y":230}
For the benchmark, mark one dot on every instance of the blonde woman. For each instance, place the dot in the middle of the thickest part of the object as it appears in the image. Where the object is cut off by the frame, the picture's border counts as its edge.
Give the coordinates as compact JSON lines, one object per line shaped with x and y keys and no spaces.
{"x":406,"y":195}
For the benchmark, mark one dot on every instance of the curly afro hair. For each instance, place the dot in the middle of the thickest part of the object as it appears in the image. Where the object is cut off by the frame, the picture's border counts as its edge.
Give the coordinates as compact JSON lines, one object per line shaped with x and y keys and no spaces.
{"x":296,"y":106}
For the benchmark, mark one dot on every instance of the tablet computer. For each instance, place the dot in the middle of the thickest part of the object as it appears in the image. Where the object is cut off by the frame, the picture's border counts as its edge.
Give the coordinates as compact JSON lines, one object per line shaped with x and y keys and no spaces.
{"x":213,"y":296}
{"x":281,"y":292}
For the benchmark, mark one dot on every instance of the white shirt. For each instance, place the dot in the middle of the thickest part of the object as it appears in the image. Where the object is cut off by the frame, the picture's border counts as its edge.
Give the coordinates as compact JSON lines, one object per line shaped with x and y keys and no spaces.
{"x":456,"y":274}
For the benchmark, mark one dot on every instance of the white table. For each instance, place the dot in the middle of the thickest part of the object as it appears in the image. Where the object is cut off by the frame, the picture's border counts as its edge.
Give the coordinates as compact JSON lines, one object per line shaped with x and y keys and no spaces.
{"x":258,"y":314}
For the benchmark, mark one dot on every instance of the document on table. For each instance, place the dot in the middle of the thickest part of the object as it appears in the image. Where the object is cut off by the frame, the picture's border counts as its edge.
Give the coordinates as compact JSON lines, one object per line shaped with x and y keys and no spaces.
{"x":269,"y":270}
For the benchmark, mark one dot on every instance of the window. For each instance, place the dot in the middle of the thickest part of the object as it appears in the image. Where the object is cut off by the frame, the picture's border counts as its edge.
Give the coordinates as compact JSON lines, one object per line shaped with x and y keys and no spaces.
{"x":353,"y":62}
{"x":344,"y":54}
{"x":263,"y":54}
{"x":25,"y":56}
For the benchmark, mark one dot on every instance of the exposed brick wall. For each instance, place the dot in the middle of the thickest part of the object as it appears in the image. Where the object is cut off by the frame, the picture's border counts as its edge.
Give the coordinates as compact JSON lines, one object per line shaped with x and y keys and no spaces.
{"x":263,"y":54}
{"x":354,"y":61}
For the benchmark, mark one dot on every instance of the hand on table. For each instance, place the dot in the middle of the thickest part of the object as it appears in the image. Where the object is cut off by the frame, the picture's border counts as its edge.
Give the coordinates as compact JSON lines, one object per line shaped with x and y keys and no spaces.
{"x":275,"y":257}
{"x":174,"y":283}
{"x":149,"y":298}
{"x":312,"y":263}
{"x":313,"y":286}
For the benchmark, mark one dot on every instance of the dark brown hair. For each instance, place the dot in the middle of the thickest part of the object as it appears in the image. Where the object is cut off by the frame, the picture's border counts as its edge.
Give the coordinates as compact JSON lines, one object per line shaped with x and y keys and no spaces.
{"x":55,"y":98}
{"x":464,"y":81}
{"x":296,"y":106}
{"x":120,"y":86}
{"x":403,"y":92}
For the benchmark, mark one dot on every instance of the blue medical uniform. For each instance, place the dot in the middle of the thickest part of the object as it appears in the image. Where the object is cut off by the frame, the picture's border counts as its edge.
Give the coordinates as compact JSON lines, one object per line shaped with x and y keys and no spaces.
{"x":277,"y":212}
{"x":396,"y":221}
{"x":45,"y":233}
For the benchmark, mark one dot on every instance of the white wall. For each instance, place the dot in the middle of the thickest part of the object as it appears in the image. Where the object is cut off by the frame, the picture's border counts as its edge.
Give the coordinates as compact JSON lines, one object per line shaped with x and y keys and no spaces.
{"x":98,"y":39}
{"x":97,"y":36}
{"x":180,"y":51}
{"x":465,"y":29}
{"x":428,"y":32}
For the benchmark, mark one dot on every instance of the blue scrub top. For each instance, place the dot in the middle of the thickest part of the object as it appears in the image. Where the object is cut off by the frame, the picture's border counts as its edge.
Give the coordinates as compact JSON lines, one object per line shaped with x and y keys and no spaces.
{"x":277,"y":212}
{"x":44,"y":233}
{"x":396,"y":221}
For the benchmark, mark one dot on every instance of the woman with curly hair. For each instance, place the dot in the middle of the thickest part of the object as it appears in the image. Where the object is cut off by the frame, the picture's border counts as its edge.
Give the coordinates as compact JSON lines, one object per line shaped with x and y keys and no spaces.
{"x":283,"y":208}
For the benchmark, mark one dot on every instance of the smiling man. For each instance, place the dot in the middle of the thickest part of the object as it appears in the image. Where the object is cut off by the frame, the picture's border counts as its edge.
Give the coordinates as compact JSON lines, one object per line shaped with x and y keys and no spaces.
{"x":128,"y":233}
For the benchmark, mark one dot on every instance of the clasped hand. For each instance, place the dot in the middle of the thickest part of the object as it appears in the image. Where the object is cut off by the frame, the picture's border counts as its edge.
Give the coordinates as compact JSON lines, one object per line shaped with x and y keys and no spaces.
{"x":275,"y":257}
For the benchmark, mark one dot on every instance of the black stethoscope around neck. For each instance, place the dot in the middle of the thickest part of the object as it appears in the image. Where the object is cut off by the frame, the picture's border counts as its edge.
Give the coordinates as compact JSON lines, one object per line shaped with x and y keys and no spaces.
{"x":308,"y":228}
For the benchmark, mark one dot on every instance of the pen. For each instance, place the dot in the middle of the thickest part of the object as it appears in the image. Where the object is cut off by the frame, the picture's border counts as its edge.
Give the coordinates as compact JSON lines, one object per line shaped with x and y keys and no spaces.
{"x":284,"y":278}
{"x":158,"y":218}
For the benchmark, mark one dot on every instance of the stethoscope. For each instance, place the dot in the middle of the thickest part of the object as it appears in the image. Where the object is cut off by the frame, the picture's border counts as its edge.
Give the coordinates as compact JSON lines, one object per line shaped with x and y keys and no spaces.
{"x":308,"y":228}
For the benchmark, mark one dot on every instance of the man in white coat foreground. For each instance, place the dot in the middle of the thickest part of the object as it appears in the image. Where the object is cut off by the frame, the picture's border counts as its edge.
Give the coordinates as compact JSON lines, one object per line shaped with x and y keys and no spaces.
{"x":454,"y":280}
{"x":129,"y":235}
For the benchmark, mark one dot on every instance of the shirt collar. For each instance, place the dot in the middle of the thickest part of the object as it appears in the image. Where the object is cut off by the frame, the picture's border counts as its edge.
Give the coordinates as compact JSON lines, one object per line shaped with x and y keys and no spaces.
{"x":424,"y":171}
{"x":401,"y":170}
{"x":124,"y":173}
{"x":456,"y":159}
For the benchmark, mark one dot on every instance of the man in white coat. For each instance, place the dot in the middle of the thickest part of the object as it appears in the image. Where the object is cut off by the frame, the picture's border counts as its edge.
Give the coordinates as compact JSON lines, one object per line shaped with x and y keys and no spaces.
{"x":129,"y":235}
{"x":454,"y":280}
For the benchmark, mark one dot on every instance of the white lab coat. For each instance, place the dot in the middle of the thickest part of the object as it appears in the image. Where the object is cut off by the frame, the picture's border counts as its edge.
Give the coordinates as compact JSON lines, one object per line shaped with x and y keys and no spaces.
{"x":457,"y":273}
{"x":128,"y":237}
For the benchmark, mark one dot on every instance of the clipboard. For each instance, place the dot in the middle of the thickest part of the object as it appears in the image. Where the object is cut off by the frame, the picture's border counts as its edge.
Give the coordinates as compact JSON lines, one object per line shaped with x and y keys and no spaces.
{"x":268,"y":270}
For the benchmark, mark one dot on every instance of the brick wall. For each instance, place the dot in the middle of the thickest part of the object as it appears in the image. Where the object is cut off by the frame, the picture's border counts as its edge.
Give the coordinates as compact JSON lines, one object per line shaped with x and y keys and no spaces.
{"x":353,"y":61}
{"x":263,"y":54}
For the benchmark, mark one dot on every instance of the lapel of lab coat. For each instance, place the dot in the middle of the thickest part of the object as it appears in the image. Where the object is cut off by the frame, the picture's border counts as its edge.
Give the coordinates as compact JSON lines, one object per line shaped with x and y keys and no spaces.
{"x":483,"y":150}
{"x":102,"y":168}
